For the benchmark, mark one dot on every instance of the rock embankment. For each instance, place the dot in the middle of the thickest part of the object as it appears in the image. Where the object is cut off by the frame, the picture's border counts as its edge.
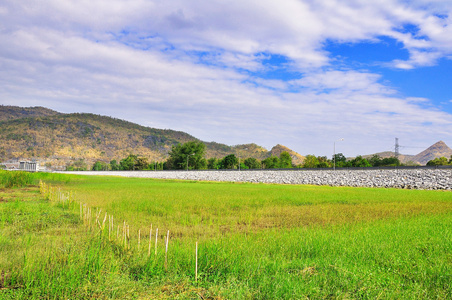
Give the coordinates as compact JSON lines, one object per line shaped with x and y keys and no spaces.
{"x":430,"y":179}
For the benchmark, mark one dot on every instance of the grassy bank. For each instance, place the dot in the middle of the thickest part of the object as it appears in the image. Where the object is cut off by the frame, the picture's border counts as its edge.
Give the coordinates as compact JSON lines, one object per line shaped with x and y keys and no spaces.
{"x":256,"y":241}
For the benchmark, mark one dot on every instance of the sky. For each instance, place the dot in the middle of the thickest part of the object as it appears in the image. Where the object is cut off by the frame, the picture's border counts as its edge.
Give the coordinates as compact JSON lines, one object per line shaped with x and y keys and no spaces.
{"x":301,"y":73}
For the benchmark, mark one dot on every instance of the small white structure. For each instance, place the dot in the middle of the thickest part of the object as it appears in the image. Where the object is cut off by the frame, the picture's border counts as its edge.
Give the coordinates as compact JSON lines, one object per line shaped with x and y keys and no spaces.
{"x":11,"y":166}
{"x":30,"y":166}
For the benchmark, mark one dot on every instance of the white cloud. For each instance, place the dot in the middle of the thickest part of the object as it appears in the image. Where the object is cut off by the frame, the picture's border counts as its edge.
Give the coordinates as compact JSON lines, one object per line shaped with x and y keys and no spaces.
{"x":140,"y":60}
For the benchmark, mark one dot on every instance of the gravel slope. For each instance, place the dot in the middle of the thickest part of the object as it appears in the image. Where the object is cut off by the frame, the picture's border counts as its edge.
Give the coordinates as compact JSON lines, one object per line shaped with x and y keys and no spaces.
{"x":437,"y":179}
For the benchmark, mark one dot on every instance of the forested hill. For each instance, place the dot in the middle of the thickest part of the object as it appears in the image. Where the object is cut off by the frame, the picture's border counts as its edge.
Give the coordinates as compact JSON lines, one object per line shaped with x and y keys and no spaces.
{"x":58,"y":139}
{"x":15,"y":112}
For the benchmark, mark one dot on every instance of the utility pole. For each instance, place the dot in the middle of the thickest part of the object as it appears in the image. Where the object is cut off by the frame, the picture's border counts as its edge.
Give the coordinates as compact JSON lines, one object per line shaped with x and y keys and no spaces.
{"x":396,"y":148}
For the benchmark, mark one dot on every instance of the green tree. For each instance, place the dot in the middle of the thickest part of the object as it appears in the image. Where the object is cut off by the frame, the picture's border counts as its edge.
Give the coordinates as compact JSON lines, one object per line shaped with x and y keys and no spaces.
{"x":191,"y":152}
{"x":439,"y":161}
{"x":323,"y":162}
{"x":142,"y":163}
{"x":213,"y":163}
{"x":271,"y":162}
{"x":100,"y":166}
{"x":390,"y":161}
{"x":155,"y":165}
{"x":375,"y":160}
{"x":252,"y":163}
{"x":340,"y":160}
{"x":229,"y":162}
{"x":285,"y":160}
{"x":114,"y":166}
{"x":129,"y":163}
{"x":310,"y":161}
{"x":360,"y":162}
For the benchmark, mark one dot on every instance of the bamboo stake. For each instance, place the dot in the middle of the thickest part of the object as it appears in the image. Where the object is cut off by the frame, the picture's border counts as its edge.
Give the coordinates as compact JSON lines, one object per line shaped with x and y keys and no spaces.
{"x":97,"y":217}
{"x":128,"y":236}
{"x":156,"y":234}
{"x":109,"y":228}
{"x":124,"y":235}
{"x":85,"y":214}
{"x":139,"y":239}
{"x":166,"y":251}
{"x":150,"y":240}
{"x":89,"y":218}
{"x":196,"y":264}
{"x":103,"y":222}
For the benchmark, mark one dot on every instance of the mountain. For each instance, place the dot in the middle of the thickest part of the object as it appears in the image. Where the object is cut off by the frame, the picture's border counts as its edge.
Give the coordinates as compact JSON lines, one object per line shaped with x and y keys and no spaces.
{"x":14,"y":112}
{"x":57,"y":139}
{"x":438,"y":149}
{"x":296,"y":158}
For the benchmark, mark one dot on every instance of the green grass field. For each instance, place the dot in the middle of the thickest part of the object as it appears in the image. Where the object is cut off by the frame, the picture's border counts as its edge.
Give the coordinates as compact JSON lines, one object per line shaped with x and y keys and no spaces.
{"x":255,"y":241}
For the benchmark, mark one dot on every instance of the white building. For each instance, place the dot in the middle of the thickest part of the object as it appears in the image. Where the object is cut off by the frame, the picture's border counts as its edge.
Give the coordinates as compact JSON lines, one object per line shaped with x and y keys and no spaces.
{"x":31,"y":166}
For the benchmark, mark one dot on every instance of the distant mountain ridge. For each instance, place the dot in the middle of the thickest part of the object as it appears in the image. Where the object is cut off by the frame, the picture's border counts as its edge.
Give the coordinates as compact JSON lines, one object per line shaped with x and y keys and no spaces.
{"x":57,"y":138}
{"x":438,"y":149}
{"x":8,"y":113}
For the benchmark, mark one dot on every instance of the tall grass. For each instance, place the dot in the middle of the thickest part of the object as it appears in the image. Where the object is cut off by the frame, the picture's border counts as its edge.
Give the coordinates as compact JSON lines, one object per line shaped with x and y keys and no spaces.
{"x":10,"y":179}
{"x":254,"y":242}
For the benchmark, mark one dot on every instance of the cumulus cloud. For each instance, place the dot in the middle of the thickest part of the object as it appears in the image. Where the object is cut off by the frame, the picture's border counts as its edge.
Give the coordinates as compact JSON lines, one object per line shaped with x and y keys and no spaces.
{"x":201,"y":67}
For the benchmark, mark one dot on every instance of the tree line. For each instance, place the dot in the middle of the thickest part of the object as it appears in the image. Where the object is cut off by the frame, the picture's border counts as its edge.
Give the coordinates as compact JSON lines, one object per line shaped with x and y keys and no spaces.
{"x":440,"y":161}
{"x":191,"y":156}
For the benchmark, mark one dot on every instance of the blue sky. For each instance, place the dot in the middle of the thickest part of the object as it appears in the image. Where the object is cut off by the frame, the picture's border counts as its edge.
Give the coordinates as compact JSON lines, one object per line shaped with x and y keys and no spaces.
{"x":302,"y":73}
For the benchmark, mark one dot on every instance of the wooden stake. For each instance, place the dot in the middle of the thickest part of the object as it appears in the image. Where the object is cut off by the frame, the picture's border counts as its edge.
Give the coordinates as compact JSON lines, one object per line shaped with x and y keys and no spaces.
{"x":89,"y":218}
{"x":124,"y":234}
{"x":166,"y":251}
{"x":139,"y":239}
{"x":109,"y":228}
{"x":112,"y":224}
{"x":156,"y":234}
{"x":150,"y":239}
{"x":196,"y":264}
{"x":103,"y":222}
{"x":128,"y":236}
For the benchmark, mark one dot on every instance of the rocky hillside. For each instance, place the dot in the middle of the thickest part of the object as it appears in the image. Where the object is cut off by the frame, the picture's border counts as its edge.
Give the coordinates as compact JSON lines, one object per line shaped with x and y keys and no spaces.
{"x":438,"y":149}
{"x":297,"y":159}
{"x":58,"y":139}
{"x":13,"y":112}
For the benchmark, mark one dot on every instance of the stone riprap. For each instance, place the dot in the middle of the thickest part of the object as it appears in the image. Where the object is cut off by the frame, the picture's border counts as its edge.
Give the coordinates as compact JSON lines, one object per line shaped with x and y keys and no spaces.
{"x":430,"y":179}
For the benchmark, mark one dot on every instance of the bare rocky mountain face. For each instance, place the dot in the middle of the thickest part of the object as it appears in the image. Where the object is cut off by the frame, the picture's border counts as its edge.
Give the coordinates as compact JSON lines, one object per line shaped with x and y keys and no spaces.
{"x":438,"y":149}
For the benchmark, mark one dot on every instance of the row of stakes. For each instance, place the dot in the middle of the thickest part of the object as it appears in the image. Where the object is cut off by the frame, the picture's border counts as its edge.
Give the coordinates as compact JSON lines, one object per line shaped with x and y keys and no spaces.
{"x":86,"y":215}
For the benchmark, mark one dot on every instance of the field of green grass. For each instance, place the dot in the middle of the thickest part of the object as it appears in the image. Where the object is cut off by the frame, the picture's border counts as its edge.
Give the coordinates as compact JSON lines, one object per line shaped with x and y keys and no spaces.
{"x":255,"y":241}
